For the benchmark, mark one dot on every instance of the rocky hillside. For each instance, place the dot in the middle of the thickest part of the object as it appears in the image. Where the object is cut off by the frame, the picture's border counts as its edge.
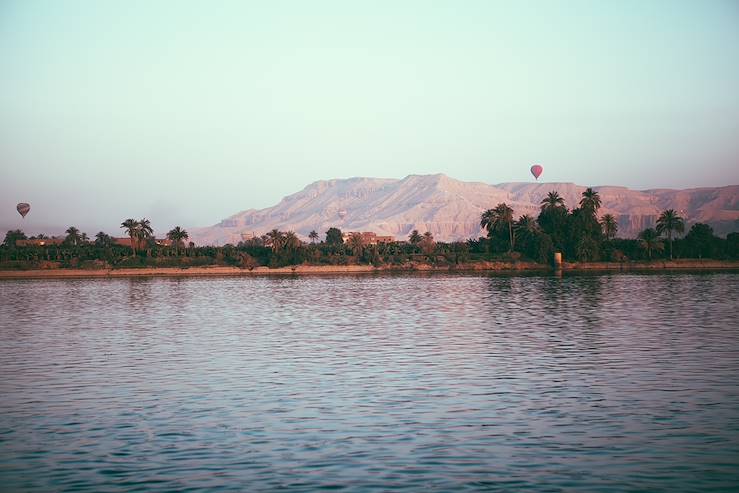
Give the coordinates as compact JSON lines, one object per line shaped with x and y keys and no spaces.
{"x":450,"y":209}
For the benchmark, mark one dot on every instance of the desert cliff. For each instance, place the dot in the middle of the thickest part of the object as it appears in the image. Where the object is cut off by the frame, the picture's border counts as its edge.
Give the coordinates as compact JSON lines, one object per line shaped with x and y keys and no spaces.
{"x":450,"y":209}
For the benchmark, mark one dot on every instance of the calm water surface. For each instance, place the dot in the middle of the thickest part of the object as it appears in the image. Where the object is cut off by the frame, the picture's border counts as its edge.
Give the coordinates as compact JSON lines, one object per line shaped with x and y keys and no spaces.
{"x":442,"y":383}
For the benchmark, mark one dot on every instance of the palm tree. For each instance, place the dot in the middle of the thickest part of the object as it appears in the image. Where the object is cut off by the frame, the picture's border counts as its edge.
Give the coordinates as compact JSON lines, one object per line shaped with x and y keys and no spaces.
{"x":668,"y":222}
{"x":103,"y":240}
{"x":609,"y":225}
{"x":290,"y":240}
{"x":427,"y":244}
{"x":526,"y":227}
{"x":145,"y":234}
{"x":313,"y":236}
{"x":73,"y":236}
{"x":528,"y":234}
{"x":275,"y":239}
{"x":356,"y":243}
{"x":414,"y":237}
{"x":649,"y":240}
{"x":586,"y":248}
{"x":132,"y":228}
{"x":177,"y":235}
{"x":487,"y":219}
{"x":497,"y":218}
{"x":552,"y":201}
{"x":144,"y":229}
{"x":590,"y":201}
{"x":505,"y":214}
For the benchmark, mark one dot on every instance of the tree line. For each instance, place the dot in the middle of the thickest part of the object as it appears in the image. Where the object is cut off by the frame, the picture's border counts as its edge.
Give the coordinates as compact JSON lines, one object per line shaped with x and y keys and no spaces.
{"x":274,"y":249}
{"x":580,"y":234}
{"x":583,"y":236}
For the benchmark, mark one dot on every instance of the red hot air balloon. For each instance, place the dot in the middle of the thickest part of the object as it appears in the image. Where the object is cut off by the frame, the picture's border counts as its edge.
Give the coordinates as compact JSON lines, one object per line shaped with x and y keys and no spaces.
{"x":536,"y":170}
{"x":23,"y":208}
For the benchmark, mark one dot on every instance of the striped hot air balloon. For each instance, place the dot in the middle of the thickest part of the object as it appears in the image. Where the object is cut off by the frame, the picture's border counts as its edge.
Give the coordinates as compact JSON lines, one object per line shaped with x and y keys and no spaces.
{"x":23,"y":208}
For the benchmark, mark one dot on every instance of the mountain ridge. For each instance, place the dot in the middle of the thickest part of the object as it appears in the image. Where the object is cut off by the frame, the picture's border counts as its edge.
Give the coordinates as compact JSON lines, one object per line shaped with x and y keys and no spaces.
{"x":450,"y":209}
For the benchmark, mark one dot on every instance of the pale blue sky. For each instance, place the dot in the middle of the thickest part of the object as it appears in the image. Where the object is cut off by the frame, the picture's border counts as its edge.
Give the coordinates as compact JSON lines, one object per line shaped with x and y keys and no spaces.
{"x":187,"y":112}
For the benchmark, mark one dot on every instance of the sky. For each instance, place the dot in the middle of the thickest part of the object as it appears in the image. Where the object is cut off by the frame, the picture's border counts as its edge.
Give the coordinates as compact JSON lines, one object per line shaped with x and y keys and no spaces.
{"x":186,"y":112}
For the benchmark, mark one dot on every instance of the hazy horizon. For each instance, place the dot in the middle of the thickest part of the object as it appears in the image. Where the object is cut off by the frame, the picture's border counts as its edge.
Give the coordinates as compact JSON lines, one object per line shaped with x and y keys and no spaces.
{"x":186,"y":113}
{"x":33,"y":227}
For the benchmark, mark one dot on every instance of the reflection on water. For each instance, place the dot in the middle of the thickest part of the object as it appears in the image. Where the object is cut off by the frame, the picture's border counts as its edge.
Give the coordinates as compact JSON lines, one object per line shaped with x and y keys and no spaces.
{"x":588,"y":383}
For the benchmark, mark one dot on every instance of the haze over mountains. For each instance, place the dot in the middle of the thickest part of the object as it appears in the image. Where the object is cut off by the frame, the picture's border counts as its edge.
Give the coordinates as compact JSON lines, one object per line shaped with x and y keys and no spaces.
{"x":450,"y":209}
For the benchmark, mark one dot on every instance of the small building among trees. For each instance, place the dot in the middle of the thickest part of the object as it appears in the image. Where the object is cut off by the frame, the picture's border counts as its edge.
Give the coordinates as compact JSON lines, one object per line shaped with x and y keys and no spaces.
{"x":369,"y":237}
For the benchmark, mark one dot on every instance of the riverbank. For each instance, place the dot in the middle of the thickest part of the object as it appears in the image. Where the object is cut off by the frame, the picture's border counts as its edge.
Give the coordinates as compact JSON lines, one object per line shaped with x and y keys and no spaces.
{"x":678,"y":264}
{"x":692,"y":264}
{"x":262,"y":271}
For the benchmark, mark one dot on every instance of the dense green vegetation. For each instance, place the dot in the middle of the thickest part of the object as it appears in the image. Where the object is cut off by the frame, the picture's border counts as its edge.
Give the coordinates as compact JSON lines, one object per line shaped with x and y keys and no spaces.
{"x":581,"y":236}
{"x":274,"y":249}
{"x":578,"y":233}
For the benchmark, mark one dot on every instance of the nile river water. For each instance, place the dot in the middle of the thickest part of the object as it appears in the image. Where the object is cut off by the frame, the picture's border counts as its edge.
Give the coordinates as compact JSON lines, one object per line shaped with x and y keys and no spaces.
{"x":371,"y":383}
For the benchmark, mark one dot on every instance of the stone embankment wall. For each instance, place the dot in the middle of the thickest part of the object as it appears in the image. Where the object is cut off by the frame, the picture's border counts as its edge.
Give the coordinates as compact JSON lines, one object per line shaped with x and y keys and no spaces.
{"x":687,"y":264}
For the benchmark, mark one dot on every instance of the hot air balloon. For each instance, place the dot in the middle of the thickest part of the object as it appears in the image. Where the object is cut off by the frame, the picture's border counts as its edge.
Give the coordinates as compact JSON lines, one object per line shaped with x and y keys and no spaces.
{"x":536,"y":170}
{"x":23,"y":208}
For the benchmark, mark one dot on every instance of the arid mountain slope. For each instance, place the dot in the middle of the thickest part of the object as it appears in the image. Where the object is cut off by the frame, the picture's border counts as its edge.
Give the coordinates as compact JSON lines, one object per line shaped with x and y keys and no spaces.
{"x":450,"y":209}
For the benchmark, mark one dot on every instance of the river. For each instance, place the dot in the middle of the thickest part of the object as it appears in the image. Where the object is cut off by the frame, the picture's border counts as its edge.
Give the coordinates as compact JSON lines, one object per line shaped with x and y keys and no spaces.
{"x":619,"y":382}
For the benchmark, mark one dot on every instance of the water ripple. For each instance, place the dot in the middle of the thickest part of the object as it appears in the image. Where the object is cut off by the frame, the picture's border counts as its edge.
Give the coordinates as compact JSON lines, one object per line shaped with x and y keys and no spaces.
{"x":433,"y":382}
